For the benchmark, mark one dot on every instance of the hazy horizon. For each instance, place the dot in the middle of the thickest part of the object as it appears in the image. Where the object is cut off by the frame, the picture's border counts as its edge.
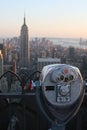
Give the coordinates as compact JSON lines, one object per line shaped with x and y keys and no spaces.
{"x":46,"y":18}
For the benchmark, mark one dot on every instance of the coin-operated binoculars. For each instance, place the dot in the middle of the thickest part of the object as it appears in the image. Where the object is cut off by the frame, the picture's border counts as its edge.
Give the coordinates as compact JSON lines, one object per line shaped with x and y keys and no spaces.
{"x":61,"y":93}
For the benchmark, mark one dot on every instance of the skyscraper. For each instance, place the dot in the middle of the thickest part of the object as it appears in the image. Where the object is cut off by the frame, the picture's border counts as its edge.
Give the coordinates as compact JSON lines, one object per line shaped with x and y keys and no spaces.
{"x":1,"y":63}
{"x":25,"y":46}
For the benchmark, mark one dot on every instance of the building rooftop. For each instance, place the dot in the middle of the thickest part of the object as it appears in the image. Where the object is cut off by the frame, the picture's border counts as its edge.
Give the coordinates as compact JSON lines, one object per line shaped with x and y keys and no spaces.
{"x":48,"y":59}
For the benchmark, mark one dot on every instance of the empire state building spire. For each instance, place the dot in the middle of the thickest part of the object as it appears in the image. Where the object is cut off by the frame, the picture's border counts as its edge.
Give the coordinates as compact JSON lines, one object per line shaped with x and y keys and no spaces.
{"x":25,"y":46}
{"x":24,"y":20}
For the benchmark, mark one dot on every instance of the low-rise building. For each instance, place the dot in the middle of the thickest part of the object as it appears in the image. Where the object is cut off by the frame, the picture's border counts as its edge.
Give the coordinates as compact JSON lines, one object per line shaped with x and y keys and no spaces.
{"x":46,"y":61}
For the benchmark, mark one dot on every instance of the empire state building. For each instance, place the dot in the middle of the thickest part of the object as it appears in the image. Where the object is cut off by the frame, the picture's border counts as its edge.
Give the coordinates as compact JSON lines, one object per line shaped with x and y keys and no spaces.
{"x":24,"y":46}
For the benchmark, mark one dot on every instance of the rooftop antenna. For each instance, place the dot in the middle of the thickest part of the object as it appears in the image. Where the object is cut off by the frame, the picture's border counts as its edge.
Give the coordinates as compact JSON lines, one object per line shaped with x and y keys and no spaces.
{"x":24,"y":18}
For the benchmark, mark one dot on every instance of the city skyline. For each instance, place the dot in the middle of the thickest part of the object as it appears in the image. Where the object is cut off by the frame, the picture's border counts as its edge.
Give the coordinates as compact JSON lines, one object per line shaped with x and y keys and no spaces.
{"x":46,"y":18}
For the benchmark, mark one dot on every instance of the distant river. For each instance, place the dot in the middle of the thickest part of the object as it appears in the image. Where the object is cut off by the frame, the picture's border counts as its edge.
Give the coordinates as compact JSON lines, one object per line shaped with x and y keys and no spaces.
{"x":67,"y":42}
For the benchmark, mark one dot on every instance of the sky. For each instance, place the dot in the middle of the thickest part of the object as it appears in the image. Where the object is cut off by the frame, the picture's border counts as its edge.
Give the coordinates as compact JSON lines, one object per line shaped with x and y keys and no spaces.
{"x":44,"y":18}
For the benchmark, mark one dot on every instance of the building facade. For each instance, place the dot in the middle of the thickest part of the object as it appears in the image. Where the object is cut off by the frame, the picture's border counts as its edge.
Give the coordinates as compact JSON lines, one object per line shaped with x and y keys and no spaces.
{"x":1,"y":63}
{"x":24,"y":46}
{"x":47,"y":61}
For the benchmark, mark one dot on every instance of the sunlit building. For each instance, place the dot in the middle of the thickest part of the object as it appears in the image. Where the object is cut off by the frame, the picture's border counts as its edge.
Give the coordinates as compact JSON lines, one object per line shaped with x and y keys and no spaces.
{"x":1,"y":63}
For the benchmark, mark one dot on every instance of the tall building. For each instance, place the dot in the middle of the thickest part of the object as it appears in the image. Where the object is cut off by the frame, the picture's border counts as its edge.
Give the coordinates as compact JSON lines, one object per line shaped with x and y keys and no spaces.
{"x":1,"y":63}
{"x":25,"y":46}
{"x":1,"y":47}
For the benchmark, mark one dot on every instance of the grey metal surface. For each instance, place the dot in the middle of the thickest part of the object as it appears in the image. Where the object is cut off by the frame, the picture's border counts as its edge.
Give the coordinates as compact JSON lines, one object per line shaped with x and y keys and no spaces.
{"x":64,"y":92}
